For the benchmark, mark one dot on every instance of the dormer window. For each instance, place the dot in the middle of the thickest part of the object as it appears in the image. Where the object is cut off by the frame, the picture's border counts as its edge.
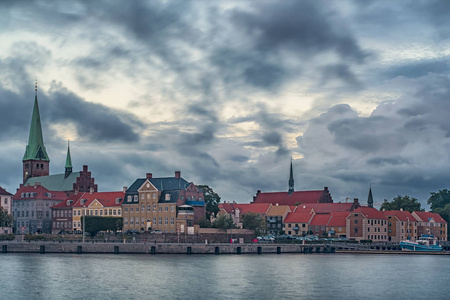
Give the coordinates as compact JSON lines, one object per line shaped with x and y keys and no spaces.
{"x":129,"y":198}
{"x":167,"y":197}
{"x":117,"y":200}
{"x":135,"y":198}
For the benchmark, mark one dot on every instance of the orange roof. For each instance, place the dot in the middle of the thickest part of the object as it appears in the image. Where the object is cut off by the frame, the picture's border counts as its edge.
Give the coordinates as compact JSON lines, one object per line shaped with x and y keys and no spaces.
{"x":298,"y":217}
{"x":426,"y":216}
{"x":320,"y":208}
{"x":107,"y":199}
{"x":338,"y":219}
{"x":320,"y":220}
{"x":259,"y":208}
{"x":278,"y":210}
{"x":370,"y":213}
{"x":404,"y":216}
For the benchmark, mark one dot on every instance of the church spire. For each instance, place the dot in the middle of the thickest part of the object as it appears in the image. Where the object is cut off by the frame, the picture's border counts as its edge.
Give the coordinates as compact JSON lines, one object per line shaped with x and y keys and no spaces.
{"x":35,"y":160}
{"x":35,"y":149}
{"x":291,"y":181}
{"x":68,"y":161}
{"x":370,"y":198}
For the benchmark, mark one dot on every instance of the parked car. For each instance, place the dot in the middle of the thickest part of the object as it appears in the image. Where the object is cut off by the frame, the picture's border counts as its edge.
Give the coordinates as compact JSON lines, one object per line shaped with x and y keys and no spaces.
{"x":156,"y":232}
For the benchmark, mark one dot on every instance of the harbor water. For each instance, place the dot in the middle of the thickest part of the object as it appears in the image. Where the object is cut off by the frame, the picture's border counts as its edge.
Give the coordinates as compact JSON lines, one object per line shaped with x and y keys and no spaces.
{"x":271,"y":276}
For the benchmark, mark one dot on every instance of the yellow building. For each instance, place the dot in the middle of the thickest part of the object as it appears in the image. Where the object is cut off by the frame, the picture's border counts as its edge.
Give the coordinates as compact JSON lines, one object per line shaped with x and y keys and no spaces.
{"x":151,"y":204}
{"x":102,"y":204}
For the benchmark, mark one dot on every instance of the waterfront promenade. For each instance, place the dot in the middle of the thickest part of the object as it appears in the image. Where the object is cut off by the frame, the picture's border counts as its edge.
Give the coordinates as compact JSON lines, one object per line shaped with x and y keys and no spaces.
{"x":193,"y":248}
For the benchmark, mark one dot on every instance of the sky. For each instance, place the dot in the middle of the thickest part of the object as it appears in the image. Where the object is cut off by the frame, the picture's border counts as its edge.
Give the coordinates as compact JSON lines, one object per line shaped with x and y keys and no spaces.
{"x":356,"y":92}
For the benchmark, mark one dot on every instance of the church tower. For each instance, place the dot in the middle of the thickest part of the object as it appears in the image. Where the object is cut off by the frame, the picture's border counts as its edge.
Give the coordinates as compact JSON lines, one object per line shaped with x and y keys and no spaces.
{"x":291,"y":181}
{"x":35,"y":160}
{"x":370,"y":198}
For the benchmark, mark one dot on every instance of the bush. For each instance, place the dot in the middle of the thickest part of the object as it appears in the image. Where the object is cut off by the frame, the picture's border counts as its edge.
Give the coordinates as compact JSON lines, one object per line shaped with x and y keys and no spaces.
{"x":7,"y":237}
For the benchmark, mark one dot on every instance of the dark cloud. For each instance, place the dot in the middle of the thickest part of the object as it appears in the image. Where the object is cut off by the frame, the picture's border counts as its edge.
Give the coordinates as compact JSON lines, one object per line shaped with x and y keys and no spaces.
{"x":299,"y":26}
{"x":419,"y":69}
{"x":94,"y":122}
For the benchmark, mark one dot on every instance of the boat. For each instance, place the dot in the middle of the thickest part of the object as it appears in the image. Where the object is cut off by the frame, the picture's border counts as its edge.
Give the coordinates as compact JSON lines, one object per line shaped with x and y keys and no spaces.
{"x":424,"y":243}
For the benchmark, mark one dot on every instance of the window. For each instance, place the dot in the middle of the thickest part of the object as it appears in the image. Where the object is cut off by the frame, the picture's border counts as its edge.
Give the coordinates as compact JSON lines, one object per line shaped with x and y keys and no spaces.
{"x":119,"y":212}
{"x":125,"y":209}
{"x":135,"y":198}
{"x":131,"y":221}
{"x":101,"y":212}
{"x":154,"y":195}
{"x":114,"y":212}
{"x":160,"y":208}
{"x":137,"y":208}
{"x":149,"y":207}
{"x":137,"y":221}
{"x":96,"y":212}
{"x":129,"y":198}
{"x":160,"y":220}
{"x":142,"y":196}
{"x":356,"y":230}
{"x":142,"y":207}
{"x":166,"y":221}
{"x":172,"y":208}
{"x":74,"y":224}
{"x":166,"y":208}
{"x":154,"y":220}
{"x":125,"y":221}
{"x":172,"y":220}
{"x":154,"y":207}
{"x":356,"y":221}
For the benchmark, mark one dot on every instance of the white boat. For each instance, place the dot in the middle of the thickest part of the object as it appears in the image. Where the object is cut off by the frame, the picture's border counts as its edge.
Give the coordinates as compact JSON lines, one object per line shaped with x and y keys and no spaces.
{"x":424,"y":243}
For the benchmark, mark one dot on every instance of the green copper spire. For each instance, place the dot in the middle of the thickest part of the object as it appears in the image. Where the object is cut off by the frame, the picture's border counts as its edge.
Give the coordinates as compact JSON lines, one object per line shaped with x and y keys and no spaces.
{"x":68,"y":158}
{"x":68,"y":162}
{"x":35,"y":149}
{"x":291,"y":181}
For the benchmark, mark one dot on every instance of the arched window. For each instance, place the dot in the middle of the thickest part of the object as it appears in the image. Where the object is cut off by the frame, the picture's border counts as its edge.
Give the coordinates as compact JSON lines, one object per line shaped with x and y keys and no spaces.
{"x":37,"y":166}
{"x":135,"y":198}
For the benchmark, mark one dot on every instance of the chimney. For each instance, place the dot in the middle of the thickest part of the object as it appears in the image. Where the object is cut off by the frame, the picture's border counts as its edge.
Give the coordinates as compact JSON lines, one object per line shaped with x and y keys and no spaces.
{"x":149,"y":175}
{"x":325,"y":188}
{"x":91,"y":190}
{"x":177,"y":174}
{"x":124,"y":189}
{"x":85,"y":168}
{"x":401,"y":209}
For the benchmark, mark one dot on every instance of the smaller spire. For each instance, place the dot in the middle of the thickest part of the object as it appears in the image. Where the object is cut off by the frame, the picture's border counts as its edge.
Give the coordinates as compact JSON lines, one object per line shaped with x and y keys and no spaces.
{"x":370,"y":198}
{"x":291,"y":181}
{"x":68,"y":161}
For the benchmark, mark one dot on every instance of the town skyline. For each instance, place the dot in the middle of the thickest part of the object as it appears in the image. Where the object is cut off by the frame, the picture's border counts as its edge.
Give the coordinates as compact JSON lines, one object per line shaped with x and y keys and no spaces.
{"x":226,"y":94}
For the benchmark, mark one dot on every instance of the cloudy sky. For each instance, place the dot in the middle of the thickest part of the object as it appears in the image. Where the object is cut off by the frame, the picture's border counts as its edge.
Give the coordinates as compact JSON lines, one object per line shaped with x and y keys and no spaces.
{"x":357,"y":92}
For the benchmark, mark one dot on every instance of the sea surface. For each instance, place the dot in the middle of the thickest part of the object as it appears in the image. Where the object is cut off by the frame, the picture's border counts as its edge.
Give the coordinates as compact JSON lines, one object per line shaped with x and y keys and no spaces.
{"x":271,"y":276}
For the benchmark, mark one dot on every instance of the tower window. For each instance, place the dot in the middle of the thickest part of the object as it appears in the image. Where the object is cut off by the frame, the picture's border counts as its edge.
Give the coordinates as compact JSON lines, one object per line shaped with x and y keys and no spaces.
{"x":37,"y":166}
{"x":42,"y":166}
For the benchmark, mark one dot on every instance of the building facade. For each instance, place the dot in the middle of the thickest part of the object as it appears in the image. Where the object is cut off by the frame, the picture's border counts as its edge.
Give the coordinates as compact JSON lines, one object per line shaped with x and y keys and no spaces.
{"x":429,"y":223}
{"x":6,"y":203}
{"x":153,"y":204}
{"x":366,"y":223}
{"x":31,"y":209}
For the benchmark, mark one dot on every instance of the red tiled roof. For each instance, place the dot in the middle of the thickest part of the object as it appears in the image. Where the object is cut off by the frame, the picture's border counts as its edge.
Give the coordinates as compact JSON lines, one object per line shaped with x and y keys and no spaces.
{"x":298,"y":217}
{"x":320,"y":208}
{"x":425,"y":216}
{"x":370,"y":213}
{"x":404,"y":216}
{"x":4,"y":192}
{"x":259,"y":208}
{"x":338,"y":219}
{"x":283,"y":198}
{"x":107,"y":199}
{"x":41,"y":193}
{"x":320,"y":220}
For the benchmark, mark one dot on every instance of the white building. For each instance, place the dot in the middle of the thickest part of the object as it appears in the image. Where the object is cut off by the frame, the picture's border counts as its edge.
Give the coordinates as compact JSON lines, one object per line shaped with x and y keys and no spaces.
{"x":6,"y":204}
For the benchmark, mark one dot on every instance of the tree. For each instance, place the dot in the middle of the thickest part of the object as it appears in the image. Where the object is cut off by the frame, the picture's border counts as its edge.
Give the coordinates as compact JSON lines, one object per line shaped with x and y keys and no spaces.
{"x":6,"y":220}
{"x":406,"y":203}
{"x":212,"y":200}
{"x":223,"y":222}
{"x":253,"y":221}
{"x":439,"y":199}
{"x":94,"y":224}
